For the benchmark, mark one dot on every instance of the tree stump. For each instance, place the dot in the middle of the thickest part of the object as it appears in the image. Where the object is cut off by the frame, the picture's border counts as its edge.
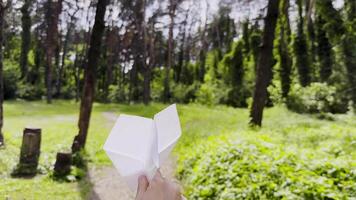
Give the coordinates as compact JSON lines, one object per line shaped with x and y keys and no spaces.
{"x":30,"y":152}
{"x":63,"y":164}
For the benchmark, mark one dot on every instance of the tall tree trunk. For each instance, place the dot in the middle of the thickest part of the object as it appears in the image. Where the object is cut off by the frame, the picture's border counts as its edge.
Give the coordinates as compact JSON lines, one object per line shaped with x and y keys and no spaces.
{"x":166,"y":91}
{"x":324,"y":50}
{"x":89,"y":76}
{"x":52,"y":17}
{"x":152,"y":61}
{"x":38,"y":59}
{"x":349,"y":46}
{"x":2,"y":15}
{"x":264,"y":68}
{"x":301,"y":49}
{"x":283,"y":48}
{"x":204,"y":45}
{"x":179,"y":68}
{"x":111,"y":52}
{"x":63,"y":58}
{"x":26,"y":37}
{"x":139,"y":49}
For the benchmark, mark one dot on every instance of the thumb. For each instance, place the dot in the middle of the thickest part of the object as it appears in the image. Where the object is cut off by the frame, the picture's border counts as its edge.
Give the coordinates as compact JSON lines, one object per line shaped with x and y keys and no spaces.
{"x":142,"y":187}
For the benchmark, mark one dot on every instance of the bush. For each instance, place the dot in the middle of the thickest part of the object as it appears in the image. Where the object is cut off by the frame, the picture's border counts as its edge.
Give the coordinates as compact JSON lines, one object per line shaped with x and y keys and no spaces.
{"x":11,"y":76}
{"x":251,"y":170}
{"x":212,"y":92}
{"x":185,"y":93}
{"x":117,"y":94}
{"x":316,"y":98}
{"x":28,"y":91}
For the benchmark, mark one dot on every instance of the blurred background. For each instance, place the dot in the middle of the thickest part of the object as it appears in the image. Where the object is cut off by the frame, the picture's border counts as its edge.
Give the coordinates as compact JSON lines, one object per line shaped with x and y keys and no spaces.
{"x":266,"y":93}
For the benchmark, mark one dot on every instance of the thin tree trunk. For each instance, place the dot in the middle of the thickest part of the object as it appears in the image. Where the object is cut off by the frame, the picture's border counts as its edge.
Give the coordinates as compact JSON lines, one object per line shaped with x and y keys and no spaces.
{"x":166,"y":92}
{"x":148,"y":74}
{"x":89,"y":76}
{"x":52,"y":15}
{"x":283,"y":48}
{"x":2,"y":15}
{"x":26,"y":37}
{"x":63,"y":59}
{"x":264,"y":67}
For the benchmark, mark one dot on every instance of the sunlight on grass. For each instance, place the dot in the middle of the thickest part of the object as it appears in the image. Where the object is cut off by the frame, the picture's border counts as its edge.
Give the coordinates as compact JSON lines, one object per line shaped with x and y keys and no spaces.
{"x":290,"y":131}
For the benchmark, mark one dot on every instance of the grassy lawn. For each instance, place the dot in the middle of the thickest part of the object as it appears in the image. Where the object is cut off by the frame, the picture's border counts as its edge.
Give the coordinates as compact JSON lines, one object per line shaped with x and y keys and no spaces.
{"x":293,"y":132}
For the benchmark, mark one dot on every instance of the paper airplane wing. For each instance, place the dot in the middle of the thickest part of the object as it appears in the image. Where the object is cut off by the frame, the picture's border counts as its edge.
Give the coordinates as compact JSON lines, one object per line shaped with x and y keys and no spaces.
{"x":130,"y":145}
{"x":168,"y":131}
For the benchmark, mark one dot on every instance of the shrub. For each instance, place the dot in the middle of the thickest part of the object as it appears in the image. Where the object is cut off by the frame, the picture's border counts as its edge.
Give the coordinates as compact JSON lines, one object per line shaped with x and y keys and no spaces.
{"x":185,"y":93}
{"x":117,"y":94}
{"x":316,"y":98}
{"x":11,"y":76}
{"x":212,"y":92}
{"x":28,"y":91}
{"x":251,"y":170}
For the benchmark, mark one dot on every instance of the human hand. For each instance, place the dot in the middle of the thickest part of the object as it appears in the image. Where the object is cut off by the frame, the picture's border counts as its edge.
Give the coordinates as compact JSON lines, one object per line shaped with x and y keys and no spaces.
{"x":159,"y":189}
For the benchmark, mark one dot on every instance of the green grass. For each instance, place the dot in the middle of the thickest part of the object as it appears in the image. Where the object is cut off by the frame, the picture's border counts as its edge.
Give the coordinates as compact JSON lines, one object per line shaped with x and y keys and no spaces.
{"x":58,"y":121}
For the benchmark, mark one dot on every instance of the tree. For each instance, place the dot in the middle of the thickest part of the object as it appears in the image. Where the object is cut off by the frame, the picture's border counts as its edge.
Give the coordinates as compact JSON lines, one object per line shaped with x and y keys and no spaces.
{"x":52,"y":16}
{"x":3,"y":7}
{"x":89,"y":76}
{"x":283,"y":48}
{"x":172,"y":8}
{"x":301,"y":49}
{"x":204,"y":45}
{"x":222,"y":30}
{"x":324,"y":50}
{"x":264,"y":66}
{"x":341,"y":32}
{"x":66,"y":43}
{"x":235,"y":76}
{"x":26,"y":37}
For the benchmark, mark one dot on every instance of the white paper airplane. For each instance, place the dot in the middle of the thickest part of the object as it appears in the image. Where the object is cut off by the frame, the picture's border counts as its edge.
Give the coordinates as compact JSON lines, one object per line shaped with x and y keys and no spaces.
{"x":138,"y":146}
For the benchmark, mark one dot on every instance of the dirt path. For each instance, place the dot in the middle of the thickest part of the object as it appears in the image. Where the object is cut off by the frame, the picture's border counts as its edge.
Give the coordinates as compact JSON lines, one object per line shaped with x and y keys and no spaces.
{"x":107,"y":183}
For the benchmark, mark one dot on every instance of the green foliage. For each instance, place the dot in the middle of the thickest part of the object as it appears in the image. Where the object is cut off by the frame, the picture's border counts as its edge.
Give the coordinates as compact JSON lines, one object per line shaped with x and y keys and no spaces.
{"x":117,"y":93}
{"x":316,"y":98}
{"x":185,"y":93}
{"x":29,"y":92}
{"x":234,"y":73}
{"x":324,"y":50}
{"x":211,"y":92}
{"x":221,"y":30}
{"x":260,"y":170}
{"x":302,"y":60}
{"x":283,"y":41}
{"x":11,"y":76}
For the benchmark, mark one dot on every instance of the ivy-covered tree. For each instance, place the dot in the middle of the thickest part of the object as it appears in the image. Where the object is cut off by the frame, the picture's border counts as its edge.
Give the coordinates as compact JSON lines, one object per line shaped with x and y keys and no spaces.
{"x":25,"y":37}
{"x":341,"y":31}
{"x":324,"y":50}
{"x":235,"y":75}
{"x":284,"y":41}
{"x":301,"y":49}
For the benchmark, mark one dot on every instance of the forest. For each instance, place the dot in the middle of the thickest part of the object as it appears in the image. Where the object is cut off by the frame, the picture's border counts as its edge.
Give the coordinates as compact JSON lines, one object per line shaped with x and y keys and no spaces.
{"x":266,"y":93}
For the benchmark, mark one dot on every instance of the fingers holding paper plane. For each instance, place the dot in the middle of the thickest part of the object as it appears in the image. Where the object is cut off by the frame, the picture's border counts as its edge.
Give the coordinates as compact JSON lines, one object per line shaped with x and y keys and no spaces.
{"x":158,"y":189}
